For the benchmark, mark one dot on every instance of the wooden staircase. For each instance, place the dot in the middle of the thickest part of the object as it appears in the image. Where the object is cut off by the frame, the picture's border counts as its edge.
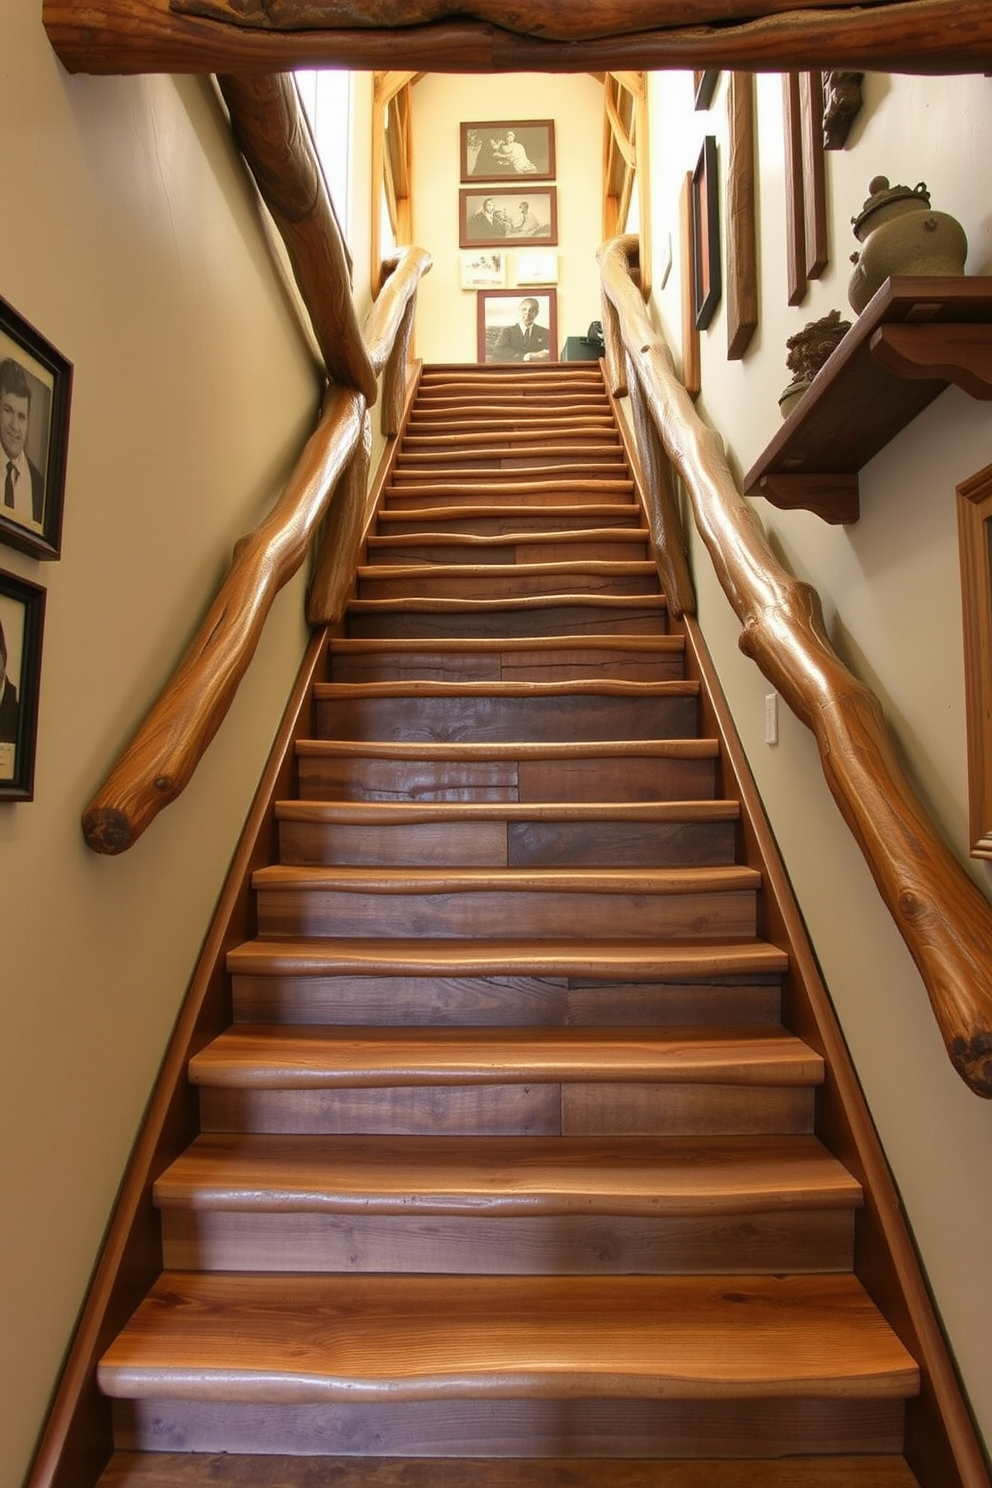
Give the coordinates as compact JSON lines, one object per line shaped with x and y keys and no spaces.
{"x":509,"y":1171}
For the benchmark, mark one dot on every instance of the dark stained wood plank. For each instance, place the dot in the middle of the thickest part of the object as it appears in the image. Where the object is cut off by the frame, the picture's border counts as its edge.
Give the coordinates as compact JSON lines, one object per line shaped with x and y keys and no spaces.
{"x":742,"y":241}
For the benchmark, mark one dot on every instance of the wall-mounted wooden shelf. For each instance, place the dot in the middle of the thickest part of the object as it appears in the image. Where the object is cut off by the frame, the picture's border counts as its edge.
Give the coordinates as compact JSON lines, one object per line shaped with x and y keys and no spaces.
{"x":914,"y":337}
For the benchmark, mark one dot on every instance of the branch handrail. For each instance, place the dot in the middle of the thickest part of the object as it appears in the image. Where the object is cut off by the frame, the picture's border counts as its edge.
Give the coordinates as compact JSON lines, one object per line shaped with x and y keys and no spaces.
{"x":944,"y":919}
{"x":168,"y":745}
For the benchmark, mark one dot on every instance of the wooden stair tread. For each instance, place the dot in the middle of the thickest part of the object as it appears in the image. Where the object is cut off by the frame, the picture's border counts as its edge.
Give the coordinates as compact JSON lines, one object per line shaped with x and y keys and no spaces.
{"x":640,"y":881}
{"x":306,"y":1338}
{"x":632,"y":535}
{"x":208,"y":1470}
{"x":635,"y":961}
{"x":423,"y":450}
{"x":601,"y":511}
{"x":415,"y":571}
{"x":497,"y":489}
{"x":498,"y":750}
{"x":395,"y":813}
{"x":671,"y":645}
{"x":585,"y":687}
{"x":455,"y":604}
{"x":261,"y":1056}
{"x":506,"y":1175}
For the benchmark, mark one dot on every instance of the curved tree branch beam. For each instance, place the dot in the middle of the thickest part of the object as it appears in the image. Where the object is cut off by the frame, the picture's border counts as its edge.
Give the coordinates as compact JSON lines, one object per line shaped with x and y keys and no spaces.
{"x":942,"y":916}
{"x":922,"y":36}
{"x":273,"y":135}
{"x":160,"y":760}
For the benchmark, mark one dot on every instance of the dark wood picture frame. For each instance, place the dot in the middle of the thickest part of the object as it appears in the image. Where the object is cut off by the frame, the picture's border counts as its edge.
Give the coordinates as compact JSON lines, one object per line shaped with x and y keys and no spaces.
{"x":704,"y":86}
{"x":497,"y":310}
{"x":486,"y":154}
{"x":508,"y":226}
{"x":707,"y":276}
{"x":22,"y":617}
{"x":35,"y":393}
{"x":974,"y":502}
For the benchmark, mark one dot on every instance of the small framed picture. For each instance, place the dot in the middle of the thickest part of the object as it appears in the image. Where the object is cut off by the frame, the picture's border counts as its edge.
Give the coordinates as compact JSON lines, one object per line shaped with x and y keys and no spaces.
{"x":535,"y":266}
{"x":483,"y":268}
{"x":493,"y":219}
{"x":35,"y":388}
{"x":706,"y":234}
{"x":511,"y":149}
{"x":22,"y":614}
{"x":515,"y":327}
{"x":704,"y":86}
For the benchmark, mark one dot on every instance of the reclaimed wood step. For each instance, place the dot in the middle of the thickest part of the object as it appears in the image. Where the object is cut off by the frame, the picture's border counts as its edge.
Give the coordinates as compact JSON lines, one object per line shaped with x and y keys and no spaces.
{"x":641,"y":770}
{"x":507,"y":517}
{"x":557,"y":425}
{"x":643,"y":903}
{"x":500,"y":712}
{"x":508,"y":659}
{"x":533,"y":492}
{"x":506,"y":1205}
{"x":506,"y":580}
{"x":510,"y":834}
{"x":510,"y":468}
{"x":520,"y":615}
{"x":424,"y":449}
{"x":499,"y":982}
{"x":602,"y":545}
{"x":207,"y":1470}
{"x":324,"y":1340}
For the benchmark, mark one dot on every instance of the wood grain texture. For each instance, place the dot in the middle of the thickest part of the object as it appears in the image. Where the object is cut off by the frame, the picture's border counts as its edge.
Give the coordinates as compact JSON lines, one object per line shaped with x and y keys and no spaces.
{"x":298,"y":1339}
{"x":271,"y":131}
{"x":944,"y":919}
{"x":925,"y":36}
{"x":160,"y":760}
{"x":204,"y":1470}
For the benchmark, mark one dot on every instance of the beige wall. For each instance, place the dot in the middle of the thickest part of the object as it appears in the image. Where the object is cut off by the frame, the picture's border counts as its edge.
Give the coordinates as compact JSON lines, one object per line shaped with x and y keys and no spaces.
{"x":446,"y":326}
{"x":891,"y":592}
{"x":129,"y":239}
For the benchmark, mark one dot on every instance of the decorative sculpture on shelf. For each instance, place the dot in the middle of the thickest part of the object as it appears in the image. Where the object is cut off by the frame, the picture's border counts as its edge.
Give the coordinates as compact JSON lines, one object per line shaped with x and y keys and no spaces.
{"x":807,"y":351}
{"x":902,"y":235}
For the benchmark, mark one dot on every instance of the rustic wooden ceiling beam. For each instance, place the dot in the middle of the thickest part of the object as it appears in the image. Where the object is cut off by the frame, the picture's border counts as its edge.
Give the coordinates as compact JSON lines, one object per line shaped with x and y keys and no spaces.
{"x":915,"y":36}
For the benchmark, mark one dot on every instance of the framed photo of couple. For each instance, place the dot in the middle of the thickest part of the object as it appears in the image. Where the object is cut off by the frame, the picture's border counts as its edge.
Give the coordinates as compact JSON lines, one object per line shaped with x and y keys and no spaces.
{"x":499,"y":219}
{"x":22,"y":613}
{"x":35,"y":387}
{"x":508,"y":150}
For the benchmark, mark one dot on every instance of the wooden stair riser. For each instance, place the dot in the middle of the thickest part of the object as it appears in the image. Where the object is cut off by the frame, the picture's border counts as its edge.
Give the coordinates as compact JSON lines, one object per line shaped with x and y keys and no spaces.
{"x":497,"y":581}
{"x":196,"y":1470}
{"x":508,"y":518}
{"x":571,"y":1245}
{"x":506,"y":717}
{"x":510,"y":1001}
{"x":509,"y":467}
{"x":622,"y":777}
{"x":656,"y":1430}
{"x":540,"y":913}
{"x":601,"y":1110}
{"x":507,"y":549}
{"x":563,"y":663}
{"x":492,"y":844}
{"x":449,"y":620}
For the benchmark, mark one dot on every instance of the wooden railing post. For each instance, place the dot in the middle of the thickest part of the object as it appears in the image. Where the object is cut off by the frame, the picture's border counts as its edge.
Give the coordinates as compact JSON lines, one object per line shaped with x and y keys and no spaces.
{"x":943,"y":917}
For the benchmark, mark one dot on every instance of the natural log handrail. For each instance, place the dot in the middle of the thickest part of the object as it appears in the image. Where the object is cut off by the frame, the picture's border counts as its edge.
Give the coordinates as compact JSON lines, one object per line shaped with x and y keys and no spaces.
{"x":161,"y":758}
{"x":133,"y":36}
{"x":941,"y":914}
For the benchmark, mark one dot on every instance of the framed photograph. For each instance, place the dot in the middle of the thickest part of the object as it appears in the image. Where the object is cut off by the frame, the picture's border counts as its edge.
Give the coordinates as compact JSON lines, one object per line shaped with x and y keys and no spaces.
{"x":35,"y":387}
{"x":974,"y":502}
{"x":535,"y":266}
{"x":483,"y":268}
{"x":489,"y":219}
{"x":706,"y":234}
{"x":22,"y":614}
{"x":510,"y":149}
{"x":515,"y":327}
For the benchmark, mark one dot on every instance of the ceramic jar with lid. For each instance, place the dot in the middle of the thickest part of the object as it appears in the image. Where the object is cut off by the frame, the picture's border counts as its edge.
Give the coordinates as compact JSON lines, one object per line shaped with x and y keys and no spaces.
{"x":901,"y":234}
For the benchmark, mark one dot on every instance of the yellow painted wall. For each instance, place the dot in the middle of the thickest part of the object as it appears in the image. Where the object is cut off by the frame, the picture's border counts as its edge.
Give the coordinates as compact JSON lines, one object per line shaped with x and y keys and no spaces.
{"x":129,"y":238}
{"x":891,"y":590}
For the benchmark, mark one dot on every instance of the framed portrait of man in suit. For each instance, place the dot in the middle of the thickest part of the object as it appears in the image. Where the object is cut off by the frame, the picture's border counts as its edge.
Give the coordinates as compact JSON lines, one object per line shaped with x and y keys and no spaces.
{"x":518,"y":325}
{"x":35,"y":388}
{"x":22,"y":613}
